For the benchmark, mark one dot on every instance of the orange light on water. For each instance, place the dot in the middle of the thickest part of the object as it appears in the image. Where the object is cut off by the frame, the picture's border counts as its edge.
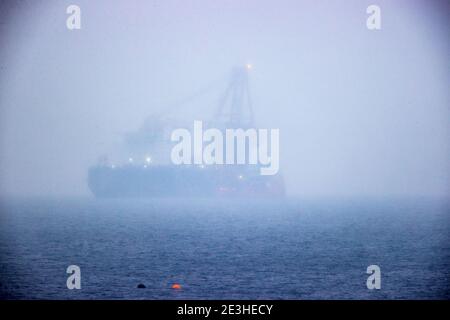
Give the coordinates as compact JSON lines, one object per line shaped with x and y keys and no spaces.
{"x":176,"y":286}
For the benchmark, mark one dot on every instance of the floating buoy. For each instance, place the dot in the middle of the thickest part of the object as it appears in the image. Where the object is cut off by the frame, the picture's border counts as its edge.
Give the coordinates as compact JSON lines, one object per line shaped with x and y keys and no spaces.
{"x":176,"y":286}
{"x":141,"y":286}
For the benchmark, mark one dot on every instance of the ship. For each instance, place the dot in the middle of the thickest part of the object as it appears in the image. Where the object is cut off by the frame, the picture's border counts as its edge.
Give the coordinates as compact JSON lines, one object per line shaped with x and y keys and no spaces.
{"x":149,"y":173}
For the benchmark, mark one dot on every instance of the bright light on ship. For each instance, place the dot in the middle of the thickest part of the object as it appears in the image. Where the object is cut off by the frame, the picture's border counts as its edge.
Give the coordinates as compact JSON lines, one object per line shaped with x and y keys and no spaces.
{"x":241,"y":177}
{"x":148,"y":159}
{"x":248,"y":66}
{"x":130,"y":160}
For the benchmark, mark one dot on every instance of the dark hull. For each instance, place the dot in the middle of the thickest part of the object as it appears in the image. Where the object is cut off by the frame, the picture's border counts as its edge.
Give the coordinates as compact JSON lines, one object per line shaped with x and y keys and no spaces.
{"x":183,"y":181}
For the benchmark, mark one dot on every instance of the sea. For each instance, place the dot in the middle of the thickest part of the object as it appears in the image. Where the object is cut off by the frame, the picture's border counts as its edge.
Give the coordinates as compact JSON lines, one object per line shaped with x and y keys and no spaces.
{"x":295,"y":248}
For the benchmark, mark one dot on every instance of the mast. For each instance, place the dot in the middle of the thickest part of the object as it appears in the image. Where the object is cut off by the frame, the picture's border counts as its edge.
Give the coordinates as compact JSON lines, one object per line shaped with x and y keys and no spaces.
{"x":235,"y":106}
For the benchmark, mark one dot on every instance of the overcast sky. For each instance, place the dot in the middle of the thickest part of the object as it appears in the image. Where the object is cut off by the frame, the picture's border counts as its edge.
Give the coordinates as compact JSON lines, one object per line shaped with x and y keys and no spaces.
{"x":360,"y":112}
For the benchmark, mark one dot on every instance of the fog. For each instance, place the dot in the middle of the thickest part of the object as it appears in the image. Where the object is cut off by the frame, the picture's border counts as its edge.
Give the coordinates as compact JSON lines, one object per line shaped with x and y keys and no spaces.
{"x":361,"y":112}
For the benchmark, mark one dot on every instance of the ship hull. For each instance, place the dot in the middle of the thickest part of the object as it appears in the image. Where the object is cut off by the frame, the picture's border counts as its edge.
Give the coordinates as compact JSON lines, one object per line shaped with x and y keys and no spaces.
{"x":182,"y":181}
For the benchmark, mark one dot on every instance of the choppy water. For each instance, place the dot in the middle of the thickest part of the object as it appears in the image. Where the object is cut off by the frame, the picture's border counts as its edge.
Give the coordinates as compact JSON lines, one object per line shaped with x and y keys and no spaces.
{"x":296,"y":249}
